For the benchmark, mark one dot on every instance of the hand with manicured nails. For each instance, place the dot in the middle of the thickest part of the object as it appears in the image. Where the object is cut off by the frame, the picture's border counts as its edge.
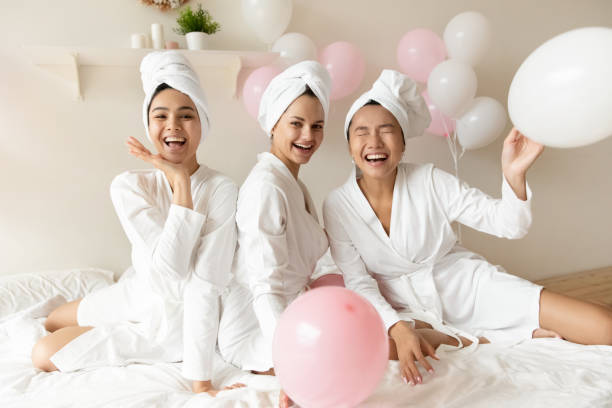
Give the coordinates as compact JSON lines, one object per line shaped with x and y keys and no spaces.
{"x":411,"y":347}
{"x":518,"y":155}
{"x":177,"y":174}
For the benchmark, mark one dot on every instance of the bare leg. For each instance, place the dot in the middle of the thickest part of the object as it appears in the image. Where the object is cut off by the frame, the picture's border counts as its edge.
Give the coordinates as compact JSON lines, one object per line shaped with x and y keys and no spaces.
{"x":63,"y":316}
{"x":46,"y":347}
{"x":575,"y":320}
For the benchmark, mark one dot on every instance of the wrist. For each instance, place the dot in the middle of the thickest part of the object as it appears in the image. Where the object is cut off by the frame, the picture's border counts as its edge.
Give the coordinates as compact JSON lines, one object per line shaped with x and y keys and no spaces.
{"x":399,"y":329}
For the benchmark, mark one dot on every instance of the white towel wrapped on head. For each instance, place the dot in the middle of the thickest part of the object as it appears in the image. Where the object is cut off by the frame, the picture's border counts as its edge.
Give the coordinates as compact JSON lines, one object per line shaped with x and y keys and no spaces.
{"x":399,"y":95}
{"x":173,"y":69}
{"x":288,"y":86}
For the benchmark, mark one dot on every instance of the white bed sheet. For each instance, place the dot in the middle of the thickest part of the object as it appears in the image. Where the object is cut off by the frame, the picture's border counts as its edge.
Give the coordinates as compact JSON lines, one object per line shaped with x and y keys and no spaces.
{"x":536,"y":373}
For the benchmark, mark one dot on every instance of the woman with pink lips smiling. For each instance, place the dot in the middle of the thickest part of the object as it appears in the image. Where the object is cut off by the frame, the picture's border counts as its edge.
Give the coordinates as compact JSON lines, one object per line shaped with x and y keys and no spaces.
{"x":390,"y":234}
{"x":179,"y":219}
{"x":280,"y":239}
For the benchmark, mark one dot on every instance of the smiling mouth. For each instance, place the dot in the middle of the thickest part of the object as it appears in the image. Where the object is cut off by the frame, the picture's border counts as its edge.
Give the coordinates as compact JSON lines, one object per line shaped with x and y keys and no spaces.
{"x":304,"y":148}
{"x":377,"y":157}
{"x":174,"y":141}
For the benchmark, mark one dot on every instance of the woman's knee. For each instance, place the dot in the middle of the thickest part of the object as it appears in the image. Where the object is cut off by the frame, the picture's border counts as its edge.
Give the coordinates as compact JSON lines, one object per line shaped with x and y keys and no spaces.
{"x":41,"y":354}
{"x":63,"y":316}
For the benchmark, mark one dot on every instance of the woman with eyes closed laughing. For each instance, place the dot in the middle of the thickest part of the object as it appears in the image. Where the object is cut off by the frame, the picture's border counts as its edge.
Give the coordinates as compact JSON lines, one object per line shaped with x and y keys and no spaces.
{"x":180,"y":221}
{"x":390,"y":233}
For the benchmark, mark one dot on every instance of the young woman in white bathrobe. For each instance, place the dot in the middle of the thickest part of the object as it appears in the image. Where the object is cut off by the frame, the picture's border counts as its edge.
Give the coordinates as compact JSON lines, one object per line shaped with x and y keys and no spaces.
{"x":179,"y":218}
{"x":390,"y":233}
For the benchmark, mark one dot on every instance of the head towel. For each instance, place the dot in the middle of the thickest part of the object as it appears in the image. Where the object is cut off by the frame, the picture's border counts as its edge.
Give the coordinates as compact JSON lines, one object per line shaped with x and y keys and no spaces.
{"x":288,"y":86}
{"x":173,"y":69}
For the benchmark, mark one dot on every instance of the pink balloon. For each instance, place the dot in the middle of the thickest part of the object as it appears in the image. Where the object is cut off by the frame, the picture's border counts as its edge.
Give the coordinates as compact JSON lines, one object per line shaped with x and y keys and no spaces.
{"x":331,"y":279}
{"x":330,"y":348}
{"x":255,"y":85}
{"x":441,"y":125}
{"x":418,"y":52}
{"x":346,"y":66}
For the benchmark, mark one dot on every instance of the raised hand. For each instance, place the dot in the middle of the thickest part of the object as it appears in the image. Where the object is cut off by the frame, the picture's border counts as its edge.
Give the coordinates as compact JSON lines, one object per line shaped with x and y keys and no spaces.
{"x":519,"y":154}
{"x":177,"y":173}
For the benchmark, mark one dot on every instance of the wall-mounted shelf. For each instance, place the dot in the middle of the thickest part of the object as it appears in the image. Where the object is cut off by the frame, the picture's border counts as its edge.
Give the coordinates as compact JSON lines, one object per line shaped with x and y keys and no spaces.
{"x":65,"y":62}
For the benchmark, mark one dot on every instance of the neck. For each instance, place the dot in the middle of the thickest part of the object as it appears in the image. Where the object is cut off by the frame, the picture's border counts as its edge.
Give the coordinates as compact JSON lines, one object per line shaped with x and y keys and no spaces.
{"x":377,"y":188}
{"x":192,"y":166}
{"x":293,"y":167}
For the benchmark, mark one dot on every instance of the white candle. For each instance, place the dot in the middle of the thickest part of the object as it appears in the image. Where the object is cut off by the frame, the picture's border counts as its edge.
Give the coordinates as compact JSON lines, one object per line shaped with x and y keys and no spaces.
{"x":157,"y":35}
{"x":139,"y":40}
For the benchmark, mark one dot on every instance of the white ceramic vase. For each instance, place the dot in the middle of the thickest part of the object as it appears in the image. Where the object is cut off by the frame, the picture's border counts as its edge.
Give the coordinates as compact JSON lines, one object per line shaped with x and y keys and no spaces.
{"x":197,"y":40}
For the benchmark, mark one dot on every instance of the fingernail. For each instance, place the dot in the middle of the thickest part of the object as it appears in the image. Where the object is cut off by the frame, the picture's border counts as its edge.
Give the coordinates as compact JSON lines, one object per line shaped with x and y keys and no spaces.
{"x":405,"y":380}
{"x":431,"y":371}
{"x":420,"y":380}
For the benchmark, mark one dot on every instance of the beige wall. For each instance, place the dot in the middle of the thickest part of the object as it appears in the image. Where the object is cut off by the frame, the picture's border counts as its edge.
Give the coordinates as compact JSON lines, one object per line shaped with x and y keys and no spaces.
{"x":58,"y":156}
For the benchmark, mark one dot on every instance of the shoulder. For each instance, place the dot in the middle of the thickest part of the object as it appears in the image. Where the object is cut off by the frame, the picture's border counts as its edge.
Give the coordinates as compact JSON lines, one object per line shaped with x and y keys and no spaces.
{"x":133,"y":181}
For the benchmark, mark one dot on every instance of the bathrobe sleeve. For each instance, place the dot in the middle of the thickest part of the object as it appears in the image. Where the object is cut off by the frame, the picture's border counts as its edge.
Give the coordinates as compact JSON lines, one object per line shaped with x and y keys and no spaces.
{"x":508,"y":217}
{"x":167,"y":241}
{"x":212,"y":272}
{"x":356,"y":276}
{"x":263,"y":235}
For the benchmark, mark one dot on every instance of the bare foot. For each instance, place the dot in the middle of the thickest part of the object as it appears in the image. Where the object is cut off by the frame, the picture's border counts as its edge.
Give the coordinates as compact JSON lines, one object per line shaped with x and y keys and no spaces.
{"x":542,"y":333}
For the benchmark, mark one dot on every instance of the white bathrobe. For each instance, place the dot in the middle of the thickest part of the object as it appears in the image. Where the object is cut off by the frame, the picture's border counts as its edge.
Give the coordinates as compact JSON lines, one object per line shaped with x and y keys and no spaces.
{"x":418,"y":271}
{"x":181,"y":262}
{"x":280,"y":242}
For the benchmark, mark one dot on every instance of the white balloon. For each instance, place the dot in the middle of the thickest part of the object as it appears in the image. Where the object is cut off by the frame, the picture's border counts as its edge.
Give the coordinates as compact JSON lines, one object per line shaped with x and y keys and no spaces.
{"x":561,"y":96}
{"x":468,"y":37}
{"x":268,"y":18}
{"x":482,"y":123}
{"x":452,"y":86}
{"x":295,"y":47}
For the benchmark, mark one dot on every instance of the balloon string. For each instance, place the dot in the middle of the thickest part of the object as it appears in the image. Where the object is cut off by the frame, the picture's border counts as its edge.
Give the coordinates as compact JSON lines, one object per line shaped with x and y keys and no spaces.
{"x":454,"y":145}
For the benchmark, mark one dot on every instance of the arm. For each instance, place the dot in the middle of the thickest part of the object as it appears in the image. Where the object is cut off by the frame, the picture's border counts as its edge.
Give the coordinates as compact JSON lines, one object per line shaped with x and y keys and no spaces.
{"x":166,"y":241}
{"x":261,"y":223}
{"x":508,"y":217}
{"x":356,"y":277}
{"x":214,"y":256}
{"x":408,"y":343}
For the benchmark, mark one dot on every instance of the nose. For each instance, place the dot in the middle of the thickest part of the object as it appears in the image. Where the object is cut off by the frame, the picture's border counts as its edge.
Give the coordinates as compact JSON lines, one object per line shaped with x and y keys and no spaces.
{"x":375,"y":140}
{"x":173,"y":123}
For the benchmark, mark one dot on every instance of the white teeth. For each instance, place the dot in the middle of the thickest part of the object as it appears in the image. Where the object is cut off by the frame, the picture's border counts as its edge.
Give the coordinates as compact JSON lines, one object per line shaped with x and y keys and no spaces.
{"x":375,"y":156}
{"x":302,"y":146}
{"x":174,"y":139}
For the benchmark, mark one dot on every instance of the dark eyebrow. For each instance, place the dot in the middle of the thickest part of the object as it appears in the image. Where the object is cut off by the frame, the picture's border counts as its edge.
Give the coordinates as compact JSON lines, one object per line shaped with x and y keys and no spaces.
{"x":297,"y":117}
{"x":164,"y":108}
{"x":360,"y":128}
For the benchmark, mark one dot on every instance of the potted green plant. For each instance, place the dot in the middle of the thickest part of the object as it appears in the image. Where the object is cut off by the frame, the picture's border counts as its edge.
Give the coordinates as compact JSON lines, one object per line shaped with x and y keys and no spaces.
{"x":196,"y":26}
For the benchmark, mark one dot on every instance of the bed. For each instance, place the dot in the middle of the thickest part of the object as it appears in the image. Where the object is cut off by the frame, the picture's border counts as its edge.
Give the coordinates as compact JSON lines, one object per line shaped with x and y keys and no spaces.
{"x":534,"y":373}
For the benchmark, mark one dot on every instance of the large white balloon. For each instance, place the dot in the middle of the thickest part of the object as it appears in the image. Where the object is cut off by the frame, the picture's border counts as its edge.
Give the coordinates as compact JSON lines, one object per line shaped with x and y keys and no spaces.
{"x":268,"y":18}
{"x":452,"y":86}
{"x":481,"y":124}
{"x":468,"y":37}
{"x":561,"y":95}
{"x":295,"y":47}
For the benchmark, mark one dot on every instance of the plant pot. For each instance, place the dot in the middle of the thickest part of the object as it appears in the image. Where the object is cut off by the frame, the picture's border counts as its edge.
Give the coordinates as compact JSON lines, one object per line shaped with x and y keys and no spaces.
{"x":197,"y":40}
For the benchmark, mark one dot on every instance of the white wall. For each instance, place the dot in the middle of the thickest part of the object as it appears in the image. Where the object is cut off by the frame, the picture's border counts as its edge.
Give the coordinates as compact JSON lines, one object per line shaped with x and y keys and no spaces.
{"x":58,"y":156}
